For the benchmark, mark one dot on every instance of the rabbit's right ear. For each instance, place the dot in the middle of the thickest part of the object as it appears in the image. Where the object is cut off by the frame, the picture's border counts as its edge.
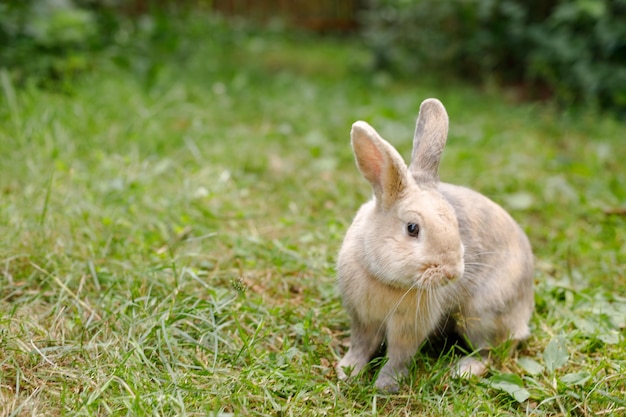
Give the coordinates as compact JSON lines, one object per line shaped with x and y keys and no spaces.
{"x":431,"y":133}
{"x":379,"y":163}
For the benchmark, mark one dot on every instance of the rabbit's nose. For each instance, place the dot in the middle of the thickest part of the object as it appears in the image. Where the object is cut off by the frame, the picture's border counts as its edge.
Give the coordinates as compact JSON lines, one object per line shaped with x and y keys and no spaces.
{"x":452,"y":273}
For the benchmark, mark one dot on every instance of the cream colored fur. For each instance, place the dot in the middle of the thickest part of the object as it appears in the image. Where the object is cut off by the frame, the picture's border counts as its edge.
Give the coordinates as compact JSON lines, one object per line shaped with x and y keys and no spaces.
{"x":470,"y":264}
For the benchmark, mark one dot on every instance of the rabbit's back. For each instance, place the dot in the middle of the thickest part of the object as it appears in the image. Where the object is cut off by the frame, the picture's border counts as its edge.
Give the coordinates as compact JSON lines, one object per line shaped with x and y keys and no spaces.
{"x":497,"y":285}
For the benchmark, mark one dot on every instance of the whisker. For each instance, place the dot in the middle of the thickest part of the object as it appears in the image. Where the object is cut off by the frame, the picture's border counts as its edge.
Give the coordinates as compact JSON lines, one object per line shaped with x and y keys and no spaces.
{"x":418,"y":301}
{"x":472,"y":275}
{"x":394,"y":308}
{"x":499,"y":252}
{"x":437,"y":297}
{"x":472,"y":256}
{"x":441,"y":325}
{"x":491,"y":266}
{"x":430,"y":299}
{"x":470,"y":279}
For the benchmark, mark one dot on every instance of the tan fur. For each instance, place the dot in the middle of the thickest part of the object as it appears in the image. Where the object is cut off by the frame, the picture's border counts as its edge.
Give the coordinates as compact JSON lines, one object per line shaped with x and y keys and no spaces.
{"x":471,"y":264}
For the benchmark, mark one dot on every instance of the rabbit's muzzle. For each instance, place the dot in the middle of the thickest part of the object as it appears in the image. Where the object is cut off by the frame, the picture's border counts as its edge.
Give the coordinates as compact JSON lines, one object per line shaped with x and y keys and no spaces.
{"x":439,"y":275}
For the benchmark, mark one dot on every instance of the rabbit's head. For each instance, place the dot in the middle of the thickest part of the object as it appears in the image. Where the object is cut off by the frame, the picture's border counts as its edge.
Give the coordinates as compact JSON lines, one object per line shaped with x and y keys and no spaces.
{"x":409,"y":235}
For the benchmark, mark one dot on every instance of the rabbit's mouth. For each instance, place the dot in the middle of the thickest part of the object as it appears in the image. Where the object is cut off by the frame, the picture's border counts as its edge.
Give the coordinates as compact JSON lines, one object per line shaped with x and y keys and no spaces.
{"x":438,"y":276}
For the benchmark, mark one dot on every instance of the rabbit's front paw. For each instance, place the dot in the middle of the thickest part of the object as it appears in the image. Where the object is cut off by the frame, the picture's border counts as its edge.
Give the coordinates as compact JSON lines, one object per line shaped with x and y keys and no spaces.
{"x":350,"y":365}
{"x":387,"y":384}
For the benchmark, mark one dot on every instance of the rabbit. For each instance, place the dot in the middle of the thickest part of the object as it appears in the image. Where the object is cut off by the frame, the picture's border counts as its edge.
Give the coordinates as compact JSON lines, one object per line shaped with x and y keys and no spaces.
{"x":424,"y":255}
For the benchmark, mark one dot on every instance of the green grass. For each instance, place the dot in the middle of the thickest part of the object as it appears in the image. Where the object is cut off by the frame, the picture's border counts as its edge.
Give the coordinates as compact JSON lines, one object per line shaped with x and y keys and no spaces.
{"x":169,"y":224}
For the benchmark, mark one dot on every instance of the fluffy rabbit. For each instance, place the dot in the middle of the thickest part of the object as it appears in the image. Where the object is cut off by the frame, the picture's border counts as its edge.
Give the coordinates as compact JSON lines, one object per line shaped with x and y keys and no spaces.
{"x":423,"y":255}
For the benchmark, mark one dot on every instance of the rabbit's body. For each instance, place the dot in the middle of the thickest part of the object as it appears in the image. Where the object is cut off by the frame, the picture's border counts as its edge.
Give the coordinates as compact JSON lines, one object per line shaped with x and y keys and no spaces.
{"x":424,"y":255}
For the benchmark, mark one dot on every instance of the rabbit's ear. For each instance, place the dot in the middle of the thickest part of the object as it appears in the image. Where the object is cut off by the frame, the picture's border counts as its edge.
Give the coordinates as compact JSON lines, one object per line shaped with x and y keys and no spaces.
{"x":379,"y":163}
{"x":431,"y":133}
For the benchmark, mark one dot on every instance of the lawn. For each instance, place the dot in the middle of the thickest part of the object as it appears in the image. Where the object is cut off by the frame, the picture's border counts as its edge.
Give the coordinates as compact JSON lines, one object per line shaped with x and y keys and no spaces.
{"x":170,"y":221}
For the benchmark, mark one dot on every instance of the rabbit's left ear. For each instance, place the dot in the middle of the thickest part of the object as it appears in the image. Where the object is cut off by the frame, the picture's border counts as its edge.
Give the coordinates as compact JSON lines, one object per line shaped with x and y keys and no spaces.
{"x":379,"y":163}
{"x":431,"y":133}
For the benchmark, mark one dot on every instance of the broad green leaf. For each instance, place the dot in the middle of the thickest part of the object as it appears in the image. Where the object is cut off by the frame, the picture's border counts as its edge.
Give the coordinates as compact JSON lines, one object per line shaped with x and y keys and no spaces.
{"x":511,"y":384}
{"x":530,"y":365}
{"x":520,"y":201}
{"x":575,"y":378}
{"x":610,"y":338}
{"x":555,"y":355}
{"x":587,"y":326}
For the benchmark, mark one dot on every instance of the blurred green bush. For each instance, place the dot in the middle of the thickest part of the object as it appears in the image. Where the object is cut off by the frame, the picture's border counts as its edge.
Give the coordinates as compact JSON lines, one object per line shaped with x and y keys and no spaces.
{"x":50,"y":40}
{"x":573,"y":50}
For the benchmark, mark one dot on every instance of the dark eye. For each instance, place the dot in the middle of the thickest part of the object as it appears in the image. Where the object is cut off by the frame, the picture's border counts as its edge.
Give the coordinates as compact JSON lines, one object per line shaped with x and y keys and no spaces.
{"x":413,"y":229}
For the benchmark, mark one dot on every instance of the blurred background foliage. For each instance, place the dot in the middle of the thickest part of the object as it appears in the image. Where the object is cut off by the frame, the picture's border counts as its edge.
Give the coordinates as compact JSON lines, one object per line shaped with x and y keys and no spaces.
{"x":569,"y":51}
{"x":50,"y":42}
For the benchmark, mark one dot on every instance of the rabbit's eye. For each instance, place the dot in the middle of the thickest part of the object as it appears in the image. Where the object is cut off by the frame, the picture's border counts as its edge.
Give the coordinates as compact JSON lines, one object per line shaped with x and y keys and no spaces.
{"x":413,"y":229}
